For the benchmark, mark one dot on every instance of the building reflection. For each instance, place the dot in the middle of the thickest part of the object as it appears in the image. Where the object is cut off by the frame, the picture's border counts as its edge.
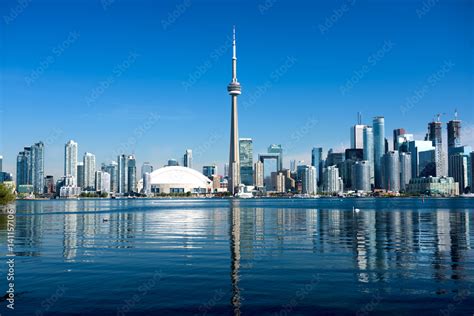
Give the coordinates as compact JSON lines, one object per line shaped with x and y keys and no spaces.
{"x":235,"y":236}
{"x":378,"y":246}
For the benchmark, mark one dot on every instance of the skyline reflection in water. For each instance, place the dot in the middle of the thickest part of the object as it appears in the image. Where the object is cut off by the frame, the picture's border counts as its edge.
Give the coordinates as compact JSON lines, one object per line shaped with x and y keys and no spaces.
{"x":246,"y":256}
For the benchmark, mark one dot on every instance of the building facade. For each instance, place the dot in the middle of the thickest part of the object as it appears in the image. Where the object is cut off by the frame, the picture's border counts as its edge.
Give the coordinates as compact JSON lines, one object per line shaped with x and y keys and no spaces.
{"x":246,"y":161}
{"x":379,"y":148}
{"x":391,"y":171}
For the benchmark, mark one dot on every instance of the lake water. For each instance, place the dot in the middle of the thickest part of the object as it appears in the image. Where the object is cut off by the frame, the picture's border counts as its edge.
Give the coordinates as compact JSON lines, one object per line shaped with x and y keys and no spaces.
{"x":224,"y":257}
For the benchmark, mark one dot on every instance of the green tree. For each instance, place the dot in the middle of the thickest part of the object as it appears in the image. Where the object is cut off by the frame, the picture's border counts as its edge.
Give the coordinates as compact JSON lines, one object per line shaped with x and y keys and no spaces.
{"x":6,"y":194}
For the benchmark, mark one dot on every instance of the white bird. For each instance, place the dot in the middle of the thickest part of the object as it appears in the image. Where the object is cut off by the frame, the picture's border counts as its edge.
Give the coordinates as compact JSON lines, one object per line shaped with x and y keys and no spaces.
{"x":356,"y":210}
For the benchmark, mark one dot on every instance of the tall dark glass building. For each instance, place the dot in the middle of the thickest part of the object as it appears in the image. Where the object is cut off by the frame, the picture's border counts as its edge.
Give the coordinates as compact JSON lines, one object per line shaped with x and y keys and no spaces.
{"x":246,"y":161}
{"x":379,"y":148}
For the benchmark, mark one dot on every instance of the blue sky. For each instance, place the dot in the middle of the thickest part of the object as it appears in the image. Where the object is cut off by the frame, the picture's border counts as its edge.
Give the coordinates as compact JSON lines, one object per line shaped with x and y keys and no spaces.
{"x":150,"y":77}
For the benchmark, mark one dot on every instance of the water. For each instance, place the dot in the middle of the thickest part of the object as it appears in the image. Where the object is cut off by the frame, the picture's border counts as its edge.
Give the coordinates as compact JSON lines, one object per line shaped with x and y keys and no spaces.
{"x":223,"y":257}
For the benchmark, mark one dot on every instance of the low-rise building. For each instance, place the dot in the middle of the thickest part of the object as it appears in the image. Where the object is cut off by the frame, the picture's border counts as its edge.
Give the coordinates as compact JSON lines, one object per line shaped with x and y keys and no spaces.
{"x":433,"y":186}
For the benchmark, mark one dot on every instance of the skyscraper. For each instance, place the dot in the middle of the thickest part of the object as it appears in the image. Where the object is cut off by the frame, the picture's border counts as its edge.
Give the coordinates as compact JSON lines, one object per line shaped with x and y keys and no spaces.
{"x":391,"y":171}
{"x":308,"y":179}
{"x":132,"y":174}
{"x":70,"y":160}
{"x":89,"y":171}
{"x":420,"y":157}
{"x":122,"y":174}
{"x":331,"y":180}
{"x":277,"y":149}
{"x":38,"y":167}
{"x":1,"y":163}
{"x":405,"y":170}
{"x":317,"y":162}
{"x":102,"y":181}
{"x":24,"y":175}
{"x":112,"y":169}
{"x":246,"y":161}
{"x":30,"y":168}
{"x":396,"y":134}
{"x":258,"y":174}
{"x":454,"y":133}
{"x":357,"y":138}
{"x":435,"y":136}
{"x":234,"y":90}
{"x":458,"y":165}
{"x":361,"y":176}
{"x":379,"y":148}
{"x":80,"y":175}
{"x":188,"y":158}
{"x":368,"y":135}
{"x":146,"y":168}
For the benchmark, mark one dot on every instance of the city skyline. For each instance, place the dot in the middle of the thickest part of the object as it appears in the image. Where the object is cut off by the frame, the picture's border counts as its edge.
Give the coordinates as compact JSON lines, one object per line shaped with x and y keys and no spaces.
{"x":57,"y":113}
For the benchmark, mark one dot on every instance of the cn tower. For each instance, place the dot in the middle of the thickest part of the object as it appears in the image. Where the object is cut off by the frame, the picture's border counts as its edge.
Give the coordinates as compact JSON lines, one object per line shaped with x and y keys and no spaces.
{"x":234,"y":160}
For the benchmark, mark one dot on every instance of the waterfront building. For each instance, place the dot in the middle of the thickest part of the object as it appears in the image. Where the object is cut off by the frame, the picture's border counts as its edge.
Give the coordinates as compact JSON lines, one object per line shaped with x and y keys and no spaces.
{"x":331,"y":180}
{"x":466,"y":152}
{"x":146,"y":179}
{"x":146,"y":168}
{"x":361,"y":176}
{"x":405,"y":170}
{"x":420,"y":161}
{"x":38,"y":167}
{"x":258,"y":174}
{"x":112,"y":169}
{"x":1,"y":163}
{"x":132,"y":174}
{"x":70,"y":159}
{"x":379,"y":148}
{"x":246,"y":161}
{"x":89,"y":171}
{"x":209,"y":171}
{"x":188,"y":158}
{"x":277,"y":149}
{"x":391,"y":171}
{"x":317,"y":162}
{"x":433,"y":186}
{"x":30,"y":167}
{"x":289,"y":181}
{"x":435,"y":136}
{"x":234,"y":90}
{"x":309,"y":183}
{"x":102,"y":181}
{"x":49,"y":186}
{"x":176,"y":179}
{"x":79,"y":178}
{"x":458,"y":169}
{"x":278,"y":182}
{"x":122,"y":174}
{"x":345,"y":172}
{"x":368,"y":135}
{"x":66,"y":187}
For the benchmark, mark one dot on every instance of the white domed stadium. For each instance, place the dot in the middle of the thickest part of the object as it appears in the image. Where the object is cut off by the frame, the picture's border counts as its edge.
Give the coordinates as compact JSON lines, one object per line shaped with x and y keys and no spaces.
{"x":176,"y":179}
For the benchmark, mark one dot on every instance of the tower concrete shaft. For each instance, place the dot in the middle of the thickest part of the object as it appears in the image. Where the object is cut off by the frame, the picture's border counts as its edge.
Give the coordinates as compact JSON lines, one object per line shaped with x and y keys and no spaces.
{"x":234,"y":159}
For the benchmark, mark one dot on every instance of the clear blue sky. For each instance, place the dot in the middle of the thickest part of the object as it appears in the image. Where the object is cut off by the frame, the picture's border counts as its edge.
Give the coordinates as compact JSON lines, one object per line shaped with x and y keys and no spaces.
{"x":94,"y":71}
